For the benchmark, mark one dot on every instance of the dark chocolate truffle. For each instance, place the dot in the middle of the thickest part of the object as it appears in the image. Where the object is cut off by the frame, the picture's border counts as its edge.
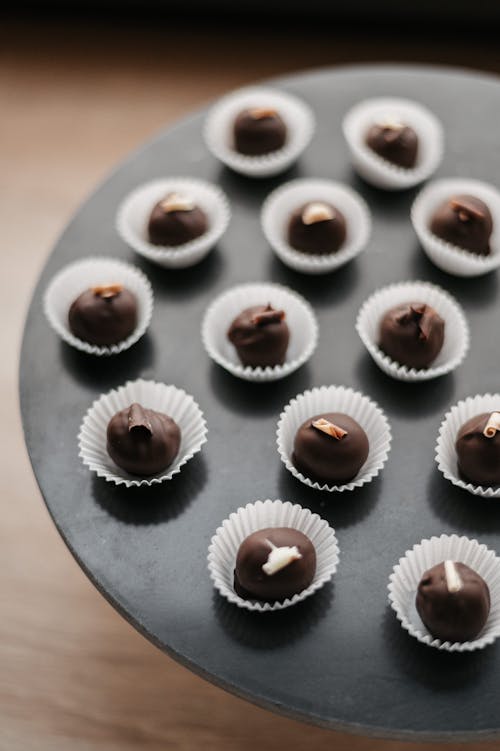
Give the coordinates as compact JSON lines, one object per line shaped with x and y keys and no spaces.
{"x":260,"y":336}
{"x":103,"y":315}
{"x":317,"y":228}
{"x":453,"y":601}
{"x":330,"y":448}
{"x":412,"y":334}
{"x":478,"y":449}
{"x":176,"y":220}
{"x":395,"y":142}
{"x":259,"y":130}
{"x":273,"y":564}
{"x":142,"y":441}
{"x":464,"y":221}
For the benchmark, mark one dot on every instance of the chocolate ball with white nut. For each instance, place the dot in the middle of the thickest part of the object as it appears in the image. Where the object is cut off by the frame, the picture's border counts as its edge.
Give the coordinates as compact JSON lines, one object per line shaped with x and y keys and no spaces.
{"x":317,"y":228}
{"x":453,"y":602}
{"x":142,"y":441}
{"x":103,"y":315}
{"x":259,"y":130}
{"x":412,"y":334}
{"x":273,"y":564}
{"x":478,"y":449}
{"x":330,"y":448}
{"x":176,"y":220}
{"x":260,"y":335}
{"x":464,"y":221}
{"x":395,"y":142}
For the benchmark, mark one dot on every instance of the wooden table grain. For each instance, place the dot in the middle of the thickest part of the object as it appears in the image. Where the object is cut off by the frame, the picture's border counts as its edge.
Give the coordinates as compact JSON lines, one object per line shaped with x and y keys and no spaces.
{"x":75,"y":98}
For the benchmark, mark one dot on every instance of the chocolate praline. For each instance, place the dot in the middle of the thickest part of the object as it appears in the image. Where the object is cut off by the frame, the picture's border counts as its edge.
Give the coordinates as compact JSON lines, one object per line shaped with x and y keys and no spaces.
{"x":176,"y":220}
{"x":142,"y":441}
{"x":259,"y":130}
{"x":260,"y":336}
{"x":103,"y":315}
{"x":453,"y":602}
{"x":330,"y":448}
{"x":464,"y":221}
{"x":478,"y":449}
{"x":273,"y":564}
{"x":412,"y":334}
{"x":317,"y":228}
{"x":395,"y":142}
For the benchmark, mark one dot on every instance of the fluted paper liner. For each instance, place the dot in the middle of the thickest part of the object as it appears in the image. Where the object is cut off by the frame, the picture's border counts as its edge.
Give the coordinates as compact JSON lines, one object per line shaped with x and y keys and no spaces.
{"x":278,"y":206}
{"x":218,"y":130}
{"x":299,"y":317}
{"x":446,"y":455}
{"x":445,"y":255}
{"x":456,"y":329}
{"x":134,"y":212}
{"x":336,"y":399}
{"x":406,"y":575}
{"x":169,"y":400}
{"x":72,"y":280}
{"x":260,"y":515}
{"x":374,"y":168}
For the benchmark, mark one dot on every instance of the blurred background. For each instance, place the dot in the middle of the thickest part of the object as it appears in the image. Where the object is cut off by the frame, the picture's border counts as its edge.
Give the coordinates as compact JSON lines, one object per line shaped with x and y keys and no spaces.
{"x":78,"y":91}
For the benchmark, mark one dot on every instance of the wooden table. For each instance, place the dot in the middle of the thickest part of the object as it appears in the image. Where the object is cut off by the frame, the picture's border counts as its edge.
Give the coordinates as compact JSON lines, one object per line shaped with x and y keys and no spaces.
{"x":74,"y":100}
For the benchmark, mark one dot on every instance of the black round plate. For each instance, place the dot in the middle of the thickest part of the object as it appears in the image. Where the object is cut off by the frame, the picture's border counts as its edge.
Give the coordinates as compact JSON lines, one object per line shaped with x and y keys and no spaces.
{"x":340,"y":659}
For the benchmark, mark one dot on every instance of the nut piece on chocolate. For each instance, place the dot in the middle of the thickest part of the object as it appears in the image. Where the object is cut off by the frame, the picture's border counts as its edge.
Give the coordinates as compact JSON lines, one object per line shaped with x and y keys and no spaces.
{"x":395,"y":142}
{"x":478,"y":449}
{"x":317,"y":228}
{"x":453,"y":602}
{"x":464,"y":221}
{"x":176,"y":220}
{"x":259,"y":130}
{"x":103,"y":315}
{"x":412,"y":334}
{"x":273,"y":564}
{"x":260,"y":336}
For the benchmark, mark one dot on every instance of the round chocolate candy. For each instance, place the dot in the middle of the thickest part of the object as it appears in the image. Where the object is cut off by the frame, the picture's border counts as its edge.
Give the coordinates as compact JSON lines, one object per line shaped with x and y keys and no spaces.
{"x":453,"y":602}
{"x":317,"y":228}
{"x":103,"y":315}
{"x":330,"y":448}
{"x":259,"y":130}
{"x":176,"y":220}
{"x":273,"y":564}
{"x":142,"y":441}
{"x":260,"y":336}
{"x":412,"y":334}
{"x":478,"y":449}
{"x":464,"y":221}
{"x":395,"y":142}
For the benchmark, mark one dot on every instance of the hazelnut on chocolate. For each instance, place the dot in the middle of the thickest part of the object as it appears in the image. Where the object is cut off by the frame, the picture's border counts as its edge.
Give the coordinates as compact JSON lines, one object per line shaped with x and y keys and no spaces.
{"x":103,"y":315}
{"x":260,"y":336}
{"x":176,"y":220}
{"x":259,"y":130}
{"x":464,"y":221}
{"x":317,"y":228}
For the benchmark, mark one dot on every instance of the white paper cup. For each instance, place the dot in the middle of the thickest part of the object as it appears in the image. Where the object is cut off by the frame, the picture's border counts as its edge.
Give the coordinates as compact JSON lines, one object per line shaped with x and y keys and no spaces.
{"x":406,"y":575}
{"x":218,"y":130}
{"x":278,"y":206}
{"x":456,"y":331}
{"x":71,"y":281}
{"x":169,"y":400}
{"x":224,"y":309}
{"x":336,"y":399}
{"x":378,"y":171}
{"x":444,"y":255}
{"x":446,"y":454}
{"x":261,"y":515}
{"x":134,"y":212}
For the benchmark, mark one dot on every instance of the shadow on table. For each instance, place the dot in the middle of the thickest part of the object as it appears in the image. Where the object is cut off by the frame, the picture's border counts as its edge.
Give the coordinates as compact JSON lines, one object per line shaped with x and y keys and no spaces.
{"x":463,"y":511}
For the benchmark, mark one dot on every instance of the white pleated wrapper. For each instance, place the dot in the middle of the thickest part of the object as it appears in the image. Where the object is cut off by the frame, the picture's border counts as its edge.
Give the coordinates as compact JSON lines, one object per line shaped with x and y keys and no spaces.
{"x":260,"y":515}
{"x":444,"y":255}
{"x":378,"y":171}
{"x":134,"y":212}
{"x":71,"y":281}
{"x":278,"y":206}
{"x":169,"y":400}
{"x":456,"y":331}
{"x":336,"y":399}
{"x":296,"y":114}
{"x":446,"y":455}
{"x":224,"y":309}
{"x":406,"y":575}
